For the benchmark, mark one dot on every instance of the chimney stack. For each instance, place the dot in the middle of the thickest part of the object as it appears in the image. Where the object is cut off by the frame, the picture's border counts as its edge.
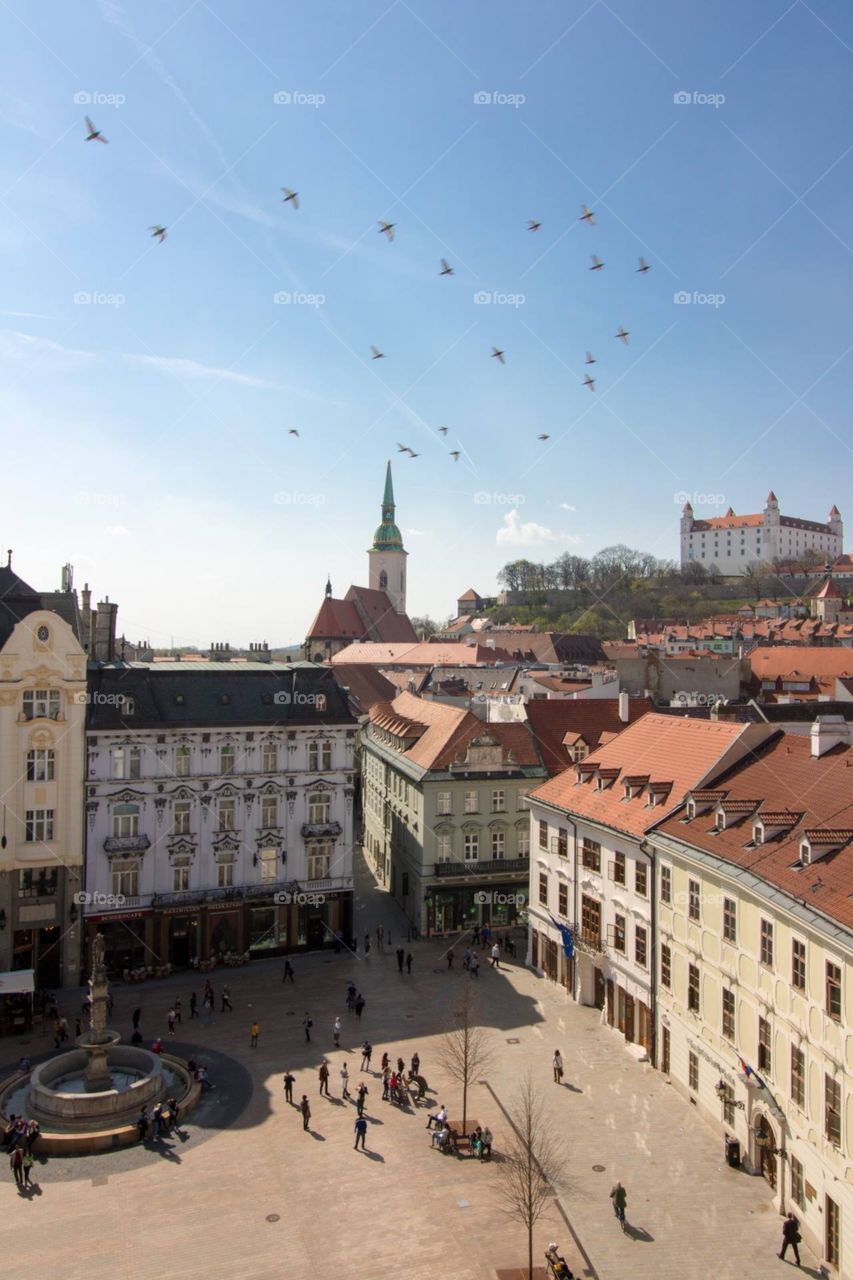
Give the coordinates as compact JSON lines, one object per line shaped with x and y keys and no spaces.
{"x":105,"y":617}
{"x":828,"y":732}
{"x":624,"y":707}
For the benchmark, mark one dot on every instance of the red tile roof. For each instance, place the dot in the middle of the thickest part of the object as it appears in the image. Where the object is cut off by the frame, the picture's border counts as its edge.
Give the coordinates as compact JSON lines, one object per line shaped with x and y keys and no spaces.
{"x":800,"y":662}
{"x":382,"y":620}
{"x":559,"y":722}
{"x":336,"y":620}
{"x":444,"y":733}
{"x":365,"y":684}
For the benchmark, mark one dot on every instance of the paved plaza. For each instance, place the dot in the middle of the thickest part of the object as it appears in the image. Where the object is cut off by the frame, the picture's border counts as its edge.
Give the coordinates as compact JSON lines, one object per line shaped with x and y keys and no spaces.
{"x":247,"y":1193}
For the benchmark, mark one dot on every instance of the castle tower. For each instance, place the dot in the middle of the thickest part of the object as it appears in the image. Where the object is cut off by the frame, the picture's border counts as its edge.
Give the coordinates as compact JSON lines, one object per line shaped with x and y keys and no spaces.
{"x":772,"y":528}
{"x":836,"y":527}
{"x":387,"y":556}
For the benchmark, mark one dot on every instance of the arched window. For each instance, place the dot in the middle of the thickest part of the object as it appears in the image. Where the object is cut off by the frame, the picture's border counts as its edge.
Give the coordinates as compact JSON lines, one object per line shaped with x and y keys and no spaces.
{"x":383,"y":581}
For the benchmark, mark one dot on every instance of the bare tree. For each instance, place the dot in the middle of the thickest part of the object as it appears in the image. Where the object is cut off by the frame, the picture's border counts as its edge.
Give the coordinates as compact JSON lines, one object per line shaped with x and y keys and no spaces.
{"x":464,"y":1052}
{"x":533,"y":1162}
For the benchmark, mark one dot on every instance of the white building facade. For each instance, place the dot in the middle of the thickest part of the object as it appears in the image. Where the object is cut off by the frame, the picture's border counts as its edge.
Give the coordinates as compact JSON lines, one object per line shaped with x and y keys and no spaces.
{"x":729,"y":544}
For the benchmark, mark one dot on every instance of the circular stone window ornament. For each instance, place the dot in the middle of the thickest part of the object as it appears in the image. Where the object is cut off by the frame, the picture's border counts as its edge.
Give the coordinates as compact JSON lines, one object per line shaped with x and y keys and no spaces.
{"x":43,"y":634}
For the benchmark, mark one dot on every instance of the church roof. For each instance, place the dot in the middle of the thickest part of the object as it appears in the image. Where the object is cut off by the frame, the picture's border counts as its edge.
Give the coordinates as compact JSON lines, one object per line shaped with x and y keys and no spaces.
{"x":829,"y":591}
{"x":336,"y":619}
{"x":382,"y":622}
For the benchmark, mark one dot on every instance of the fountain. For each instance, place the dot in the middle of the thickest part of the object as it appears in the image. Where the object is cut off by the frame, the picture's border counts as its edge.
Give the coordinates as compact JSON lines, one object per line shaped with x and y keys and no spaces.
{"x":89,"y":1098}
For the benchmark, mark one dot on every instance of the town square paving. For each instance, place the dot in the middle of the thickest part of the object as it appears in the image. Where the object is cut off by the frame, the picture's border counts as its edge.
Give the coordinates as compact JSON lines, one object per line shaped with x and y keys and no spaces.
{"x":247,"y":1193}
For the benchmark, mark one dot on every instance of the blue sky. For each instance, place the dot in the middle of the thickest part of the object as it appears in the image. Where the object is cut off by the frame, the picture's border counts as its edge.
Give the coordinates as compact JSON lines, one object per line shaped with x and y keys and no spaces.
{"x":147,"y":390}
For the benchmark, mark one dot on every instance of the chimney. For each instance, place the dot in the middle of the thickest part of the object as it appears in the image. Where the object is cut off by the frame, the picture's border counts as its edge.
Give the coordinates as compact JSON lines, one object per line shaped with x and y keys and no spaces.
{"x":105,"y":631}
{"x":220,"y":652}
{"x":260,"y":651}
{"x":828,"y":732}
{"x":624,"y":707}
{"x":67,"y":578}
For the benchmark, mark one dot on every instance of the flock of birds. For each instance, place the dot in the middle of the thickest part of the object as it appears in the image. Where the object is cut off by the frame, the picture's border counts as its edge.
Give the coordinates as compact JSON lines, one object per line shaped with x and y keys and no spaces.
{"x":387,"y":229}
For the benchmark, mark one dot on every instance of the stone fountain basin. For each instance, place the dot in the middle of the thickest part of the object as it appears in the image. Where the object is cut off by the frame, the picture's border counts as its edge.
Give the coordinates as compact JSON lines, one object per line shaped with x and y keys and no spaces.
{"x":49,"y":1101}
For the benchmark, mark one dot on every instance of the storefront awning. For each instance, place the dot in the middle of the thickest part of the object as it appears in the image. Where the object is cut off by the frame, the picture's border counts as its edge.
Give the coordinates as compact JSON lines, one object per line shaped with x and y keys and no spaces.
{"x":18,"y":981}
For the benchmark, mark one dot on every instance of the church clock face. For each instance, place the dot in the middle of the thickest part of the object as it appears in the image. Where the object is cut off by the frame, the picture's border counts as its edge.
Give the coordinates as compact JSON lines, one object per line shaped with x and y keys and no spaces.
{"x":43,"y":634}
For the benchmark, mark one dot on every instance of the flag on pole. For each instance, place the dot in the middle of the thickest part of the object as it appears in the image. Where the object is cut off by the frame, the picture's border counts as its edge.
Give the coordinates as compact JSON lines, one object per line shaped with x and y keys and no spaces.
{"x":567,"y":936}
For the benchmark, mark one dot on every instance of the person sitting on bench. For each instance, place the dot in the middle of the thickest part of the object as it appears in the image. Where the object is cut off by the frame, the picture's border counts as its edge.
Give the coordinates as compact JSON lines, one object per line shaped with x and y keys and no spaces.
{"x":441,"y":1137}
{"x":440,"y":1118}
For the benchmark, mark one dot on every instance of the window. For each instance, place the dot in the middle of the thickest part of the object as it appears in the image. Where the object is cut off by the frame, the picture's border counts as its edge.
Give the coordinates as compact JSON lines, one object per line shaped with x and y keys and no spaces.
{"x":666,"y":884}
{"x":798,"y":1193}
{"x":563,"y":900}
{"x":591,"y":919}
{"x":498,"y":844}
{"x":524,"y":843}
{"x":543,"y":835}
{"x":619,"y":868}
{"x":693,"y":1071}
{"x":445,"y":802}
{"x":182,"y":817}
{"x":666,"y":966}
{"x":269,"y":757}
{"x":327,"y":754}
{"x":182,"y":762}
{"x":729,"y":1015}
{"x":225,"y":810}
{"x":619,"y":932}
{"x":591,"y":854}
{"x":41,"y":882}
{"x":798,"y":1076}
{"x":833,"y":991}
{"x":269,"y":811}
{"x":224,"y":875}
{"x":319,"y":807}
{"x":767,"y":943}
{"x":543,"y":888}
{"x":641,"y":879}
{"x":641,"y":946}
{"x":730,"y":919}
{"x":765,"y":1049}
{"x":798,"y":964}
{"x":472,"y":846}
{"x":117,"y":762}
{"x":268,"y":862}
{"x":832,"y":1110}
{"x":693,"y":899}
{"x":319,"y":857}
{"x":471,"y":804}
{"x":832,"y":1244}
{"x":41,"y":704}
{"x":444,"y":847}
{"x":125,"y":877}
{"x":498,"y":802}
{"x":562,"y":843}
{"x":41,"y":766}
{"x":125,"y":820}
{"x":319,"y":755}
{"x":180,"y":878}
{"x":728,"y":1101}
{"x":693,"y":987}
{"x":226,"y":759}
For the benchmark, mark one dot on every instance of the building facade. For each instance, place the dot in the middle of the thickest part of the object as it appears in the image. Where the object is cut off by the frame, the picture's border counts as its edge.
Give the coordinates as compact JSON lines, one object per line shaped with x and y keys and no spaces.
{"x":219,"y":802}
{"x":729,"y":544}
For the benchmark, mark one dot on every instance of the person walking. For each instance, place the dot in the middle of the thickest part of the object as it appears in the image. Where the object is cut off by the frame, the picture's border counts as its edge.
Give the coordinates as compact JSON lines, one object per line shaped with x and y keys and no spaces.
{"x":557,"y":1064}
{"x":366,"y":1051}
{"x":324,"y":1078}
{"x":256,"y":1031}
{"x":345,"y":1093}
{"x":28,"y":1162}
{"x":156,"y":1120}
{"x":416,"y":1064}
{"x":207,"y":1005}
{"x":16,"y":1163}
{"x":474,"y":967}
{"x":409,"y":963}
{"x":466,"y":958}
{"x":450,"y":958}
{"x":306,"y":1111}
{"x":142,"y":1124}
{"x":360,"y":1132}
{"x":385,"y":1063}
{"x":307,"y":1024}
{"x":193,"y":1005}
{"x":170,"y":1017}
{"x":336,"y":1033}
{"x":791,"y":1236}
{"x":289,"y":1081}
{"x":476,"y":938}
{"x":496,"y":955}
{"x":288,"y":972}
{"x":226,"y":1001}
{"x":401,"y":957}
{"x":137,"y":1014}
{"x":361,"y":1094}
{"x":359,"y":1004}
{"x":619,"y":1196}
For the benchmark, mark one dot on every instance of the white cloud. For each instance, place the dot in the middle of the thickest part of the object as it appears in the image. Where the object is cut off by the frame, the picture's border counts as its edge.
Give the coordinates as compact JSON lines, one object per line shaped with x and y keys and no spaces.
{"x":515,"y":533}
{"x":566,"y":506}
{"x":117,"y":531}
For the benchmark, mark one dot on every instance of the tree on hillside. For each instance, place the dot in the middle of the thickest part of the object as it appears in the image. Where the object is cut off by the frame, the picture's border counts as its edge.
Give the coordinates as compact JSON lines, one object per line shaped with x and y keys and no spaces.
{"x":426,"y":627}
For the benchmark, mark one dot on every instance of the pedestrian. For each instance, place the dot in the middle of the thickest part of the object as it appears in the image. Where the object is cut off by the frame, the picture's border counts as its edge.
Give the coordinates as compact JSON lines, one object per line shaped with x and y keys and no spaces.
{"x":157,"y":1046}
{"x":619,"y":1196}
{"x":344,"y":1082}
{"x":367,"y":944}
{"x":171,"y":1118}
{"x":386,"y":1082}
{"x":306,"y":1111}
{"x":557,"y":1064}
{"x":193,"y":1006}
{"x":142,"y":1124}
{"x":289,"y":1081}
{"x":137,"y":1014}
{"x":401,"y":1066}
{"x":409,"y":963}
{"x":791,"y":1236}
{"x":487,"y":933}
{"x":177,"y":1007}
{"x":256,"y":1031}
{"x":383,"y":1066}
{"x":207,"y":1005}
{"x":170,"y":1016}
{"x":226,"y":1001}
{"x":466,"y":958}
{"x":450,"y":958}
{"x":28,"y":1162}
{"x":474,"y":967}
{"x":307,"y":1024}
{"x":361,"y":1094}
{"x":63,"y":1030}
{"x":401,"y":956}
{"x":351,"y":998}
{"x":16,"y":1162}
{"x":33,"y":1134}
{"x":338,"y":942}
{"x":156,"y":1120}
{"x":477,"y":936}
{"x":360,"y":1132}
{"x":496,"y":955}
{"x":366,"y":1051}
{"x":336,"y":1033}
{"x":324,"y":1078}
{"x":416,"y":1064}
{"x":359,"y":1004}
{"x":288,"y":971}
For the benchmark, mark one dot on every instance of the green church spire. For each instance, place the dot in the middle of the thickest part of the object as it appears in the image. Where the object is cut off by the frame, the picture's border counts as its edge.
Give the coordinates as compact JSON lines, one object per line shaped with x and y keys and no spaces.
{"x":388,"y":536}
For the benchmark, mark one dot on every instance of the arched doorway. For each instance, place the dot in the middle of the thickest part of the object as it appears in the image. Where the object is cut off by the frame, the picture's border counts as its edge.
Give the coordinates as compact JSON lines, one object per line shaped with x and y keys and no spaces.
{"x":767,"y":1156}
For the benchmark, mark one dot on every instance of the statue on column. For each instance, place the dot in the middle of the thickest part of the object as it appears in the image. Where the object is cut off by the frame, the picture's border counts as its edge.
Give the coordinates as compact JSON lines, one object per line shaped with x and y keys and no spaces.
{"x":99,"y":951}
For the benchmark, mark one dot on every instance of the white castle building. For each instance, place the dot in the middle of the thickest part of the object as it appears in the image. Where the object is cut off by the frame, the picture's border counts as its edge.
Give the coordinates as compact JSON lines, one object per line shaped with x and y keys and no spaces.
{"x":729,"y":544}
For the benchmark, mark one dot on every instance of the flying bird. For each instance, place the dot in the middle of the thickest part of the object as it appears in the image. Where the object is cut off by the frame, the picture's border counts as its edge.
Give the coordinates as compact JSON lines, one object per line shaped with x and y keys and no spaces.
{"x":597,"y":264}
{"x":403,"y":448}
{"x":446,"y":269}
{"x":498,"y":355}
{"x":454,"y":453}
{"x":412,"y":454}
{"x":94,"y":135}
{"x":543,"y":437}
{"x":158,"y":232}
{"x":533,"y":225}
{"x":590,"y":358}
{"x":624,"y":334}
{"x":587,"y":216}
{"x":442,"y":431}
{"x":589,"y":382}
{"x":644,"y":266}
{"x":387,"y":229}
{"x":293,"y":432}
{"x":377,"y":354}
{"x":290,"y":197}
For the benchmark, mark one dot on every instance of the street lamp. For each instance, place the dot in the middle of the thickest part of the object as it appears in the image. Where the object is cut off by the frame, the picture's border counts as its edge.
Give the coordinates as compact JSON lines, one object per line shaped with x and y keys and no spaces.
{"x":721,"y":1089}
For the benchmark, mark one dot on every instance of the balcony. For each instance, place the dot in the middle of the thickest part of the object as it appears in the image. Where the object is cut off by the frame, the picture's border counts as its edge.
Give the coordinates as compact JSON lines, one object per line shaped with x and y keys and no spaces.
{"x":331,"y":830}
{"x":486,"y":867}
{"x":126,"y":844}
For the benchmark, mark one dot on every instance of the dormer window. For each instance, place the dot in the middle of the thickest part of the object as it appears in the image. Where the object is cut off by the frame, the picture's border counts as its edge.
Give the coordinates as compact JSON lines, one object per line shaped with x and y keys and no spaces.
{"x":691,"y":809}
{"x":757,"y":833}
{"x":721,"y":820}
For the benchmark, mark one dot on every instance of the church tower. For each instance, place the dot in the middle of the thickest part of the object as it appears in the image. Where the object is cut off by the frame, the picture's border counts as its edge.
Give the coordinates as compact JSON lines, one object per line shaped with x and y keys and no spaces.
{"x":387,"y":557}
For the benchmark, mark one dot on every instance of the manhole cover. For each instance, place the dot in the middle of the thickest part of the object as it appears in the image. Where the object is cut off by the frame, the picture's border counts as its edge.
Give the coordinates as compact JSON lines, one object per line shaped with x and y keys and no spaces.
{"x":513,"y":1040}
{"x":598,"y":1168}
{"x":273,"y":1217}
